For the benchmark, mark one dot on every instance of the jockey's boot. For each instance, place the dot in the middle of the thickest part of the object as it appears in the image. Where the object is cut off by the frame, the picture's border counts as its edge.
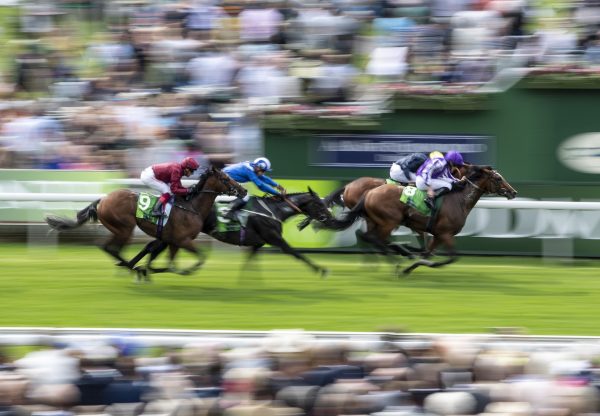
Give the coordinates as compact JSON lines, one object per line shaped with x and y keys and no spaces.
{"x":430,"y":202}
{"x":160,"y":204}
{"x":235,"y":205}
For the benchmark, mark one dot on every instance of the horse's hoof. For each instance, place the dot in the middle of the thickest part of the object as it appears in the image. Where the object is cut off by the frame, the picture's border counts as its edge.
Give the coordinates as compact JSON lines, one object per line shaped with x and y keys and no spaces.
{"x":324,"y":273}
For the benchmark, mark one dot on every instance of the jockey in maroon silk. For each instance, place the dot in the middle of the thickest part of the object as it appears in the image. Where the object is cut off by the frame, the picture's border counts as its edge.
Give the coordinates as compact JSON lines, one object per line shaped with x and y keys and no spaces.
{"x":166,"y":178}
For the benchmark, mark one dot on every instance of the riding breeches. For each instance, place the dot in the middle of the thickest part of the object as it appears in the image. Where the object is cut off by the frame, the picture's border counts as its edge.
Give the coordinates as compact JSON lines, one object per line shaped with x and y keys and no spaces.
{"x":149,"y":179}
{"x":397,"y":174}
{"x":434,"y":183}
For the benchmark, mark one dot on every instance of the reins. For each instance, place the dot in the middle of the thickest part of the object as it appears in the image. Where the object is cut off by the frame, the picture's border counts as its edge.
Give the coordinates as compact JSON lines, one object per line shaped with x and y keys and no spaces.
{"x":472,"y":183}
{"x":291,"y":204}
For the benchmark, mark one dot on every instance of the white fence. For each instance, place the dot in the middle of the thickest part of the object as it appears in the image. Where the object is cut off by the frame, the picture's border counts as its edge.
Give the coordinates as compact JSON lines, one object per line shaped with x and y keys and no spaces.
{"x":281,"y":338}
{"x":558,"y":223}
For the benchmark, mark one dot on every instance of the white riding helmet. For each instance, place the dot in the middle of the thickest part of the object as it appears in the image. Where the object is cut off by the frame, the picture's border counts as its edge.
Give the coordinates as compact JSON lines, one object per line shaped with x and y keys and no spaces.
{"x":262,"y":163}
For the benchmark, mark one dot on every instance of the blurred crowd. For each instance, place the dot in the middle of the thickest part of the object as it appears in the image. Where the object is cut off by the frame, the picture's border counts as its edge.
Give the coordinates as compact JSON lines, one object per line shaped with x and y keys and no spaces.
{"x":121,"y":84}
{"x":290,"y":373}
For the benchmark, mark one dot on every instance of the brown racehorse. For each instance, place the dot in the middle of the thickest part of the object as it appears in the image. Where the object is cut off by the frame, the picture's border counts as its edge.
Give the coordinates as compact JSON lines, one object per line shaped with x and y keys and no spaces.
{"x":117,"y":212}
{"x":385,"y":211}
{"x":348,"y":196}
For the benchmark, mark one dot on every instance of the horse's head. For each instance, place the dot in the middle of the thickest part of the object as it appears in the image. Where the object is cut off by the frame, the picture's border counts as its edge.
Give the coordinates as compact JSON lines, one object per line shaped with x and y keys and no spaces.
{"x":226,"y":185}
{"x":312,"y":206}
{"x":492,"y":182}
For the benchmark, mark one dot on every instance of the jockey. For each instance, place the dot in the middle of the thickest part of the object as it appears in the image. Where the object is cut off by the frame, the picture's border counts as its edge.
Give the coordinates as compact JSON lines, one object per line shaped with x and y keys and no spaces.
{"x":435,"y":175}
{"x":404,"y":170}
{"x":252,"y":172}
{"x":166,"y":178}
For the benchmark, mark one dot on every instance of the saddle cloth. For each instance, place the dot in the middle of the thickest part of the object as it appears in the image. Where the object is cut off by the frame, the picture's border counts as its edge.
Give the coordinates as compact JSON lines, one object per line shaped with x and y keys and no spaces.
{"x":146,"y":203}
{"x":416,"y":199}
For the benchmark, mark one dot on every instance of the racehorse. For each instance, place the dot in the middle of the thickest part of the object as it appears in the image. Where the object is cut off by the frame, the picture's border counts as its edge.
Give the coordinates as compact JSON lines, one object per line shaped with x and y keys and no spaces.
{"x":349,"y":195}
{"x":117,"y":212}
{"x":263,"y":225}
{"x":385,"y":211}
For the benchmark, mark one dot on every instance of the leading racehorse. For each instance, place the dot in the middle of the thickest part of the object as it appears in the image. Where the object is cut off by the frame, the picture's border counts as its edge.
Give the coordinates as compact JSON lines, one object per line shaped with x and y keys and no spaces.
{"x":348,"y":196}
{"x":385,"y":212}
{"x":117,"y":212}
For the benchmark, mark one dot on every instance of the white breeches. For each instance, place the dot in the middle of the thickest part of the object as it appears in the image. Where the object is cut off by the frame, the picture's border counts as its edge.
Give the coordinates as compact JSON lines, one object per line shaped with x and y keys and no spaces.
{"x":397,"y":174}
{"x":434,"y":183}
{"x":148,"y":178}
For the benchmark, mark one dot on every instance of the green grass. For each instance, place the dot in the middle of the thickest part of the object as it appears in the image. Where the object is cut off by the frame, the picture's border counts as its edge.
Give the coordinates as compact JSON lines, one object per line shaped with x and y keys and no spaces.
{"x":79,"y":286}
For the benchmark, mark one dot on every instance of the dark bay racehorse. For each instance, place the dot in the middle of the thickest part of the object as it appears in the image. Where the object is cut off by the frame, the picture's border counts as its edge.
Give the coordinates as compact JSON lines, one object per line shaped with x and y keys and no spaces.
{"x":117,"y":212}
{"x":264,"y":225}
{"x":385,"y":211}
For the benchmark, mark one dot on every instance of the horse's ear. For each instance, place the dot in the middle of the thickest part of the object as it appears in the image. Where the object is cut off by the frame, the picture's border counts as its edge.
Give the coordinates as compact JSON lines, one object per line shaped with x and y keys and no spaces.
{"x":313,"y":193}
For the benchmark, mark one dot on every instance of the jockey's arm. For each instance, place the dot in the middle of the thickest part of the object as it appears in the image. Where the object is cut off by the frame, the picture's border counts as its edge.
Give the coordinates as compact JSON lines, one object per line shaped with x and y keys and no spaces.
{"x":272,"y":183}
{"x":176,"y":187}
{"x":264,"y":185}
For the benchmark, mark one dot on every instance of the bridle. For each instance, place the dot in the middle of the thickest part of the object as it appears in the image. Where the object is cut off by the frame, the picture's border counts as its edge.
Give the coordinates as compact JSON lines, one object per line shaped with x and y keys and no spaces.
{"x":473,"y":184}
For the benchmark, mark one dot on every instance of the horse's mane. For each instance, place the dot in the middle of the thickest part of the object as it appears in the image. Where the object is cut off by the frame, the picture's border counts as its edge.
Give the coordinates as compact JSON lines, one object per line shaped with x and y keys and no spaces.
{"x":197,"y":187}
{"x":278,"y":197}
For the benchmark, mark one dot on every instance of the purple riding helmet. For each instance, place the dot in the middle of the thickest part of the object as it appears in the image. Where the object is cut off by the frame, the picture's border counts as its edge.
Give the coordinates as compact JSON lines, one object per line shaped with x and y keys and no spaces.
{"x":454,"y":157}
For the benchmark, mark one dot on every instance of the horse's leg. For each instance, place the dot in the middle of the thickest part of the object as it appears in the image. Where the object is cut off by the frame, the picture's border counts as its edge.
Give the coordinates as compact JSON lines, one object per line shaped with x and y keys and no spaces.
{"x":422,"y":240}
{"x":371,"y":238}
{"x":274,"y":238}
{"x":142,"y":271}
{"x":158,"y":248}
{"x":251,"y":255}
{"x":114,"y":245}
{"x":147,"y":249}
{"x":188,"y":244}
{"x":448,"y":240}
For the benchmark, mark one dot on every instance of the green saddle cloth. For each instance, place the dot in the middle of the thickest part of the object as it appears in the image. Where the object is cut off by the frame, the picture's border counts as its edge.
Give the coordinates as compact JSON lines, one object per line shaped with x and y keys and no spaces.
{"x":225,"y":225}
{"x":145,"y":204}
{"x":416,"y":199}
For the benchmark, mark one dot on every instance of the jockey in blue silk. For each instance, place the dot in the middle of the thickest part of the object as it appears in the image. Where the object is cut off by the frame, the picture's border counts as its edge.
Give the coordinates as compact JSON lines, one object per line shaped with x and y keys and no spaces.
{"x":254,"y":172}
{"x":435,"y":175}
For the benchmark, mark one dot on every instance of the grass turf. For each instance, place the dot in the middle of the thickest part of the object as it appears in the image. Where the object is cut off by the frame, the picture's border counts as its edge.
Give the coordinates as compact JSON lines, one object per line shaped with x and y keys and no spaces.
{"x":78,"y":286}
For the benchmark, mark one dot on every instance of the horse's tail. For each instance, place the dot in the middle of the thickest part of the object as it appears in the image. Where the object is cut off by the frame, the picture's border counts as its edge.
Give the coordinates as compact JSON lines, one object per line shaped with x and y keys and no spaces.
{"x":348,"y":219}
{"x":335,"y":198}
{"x":61,"y":224}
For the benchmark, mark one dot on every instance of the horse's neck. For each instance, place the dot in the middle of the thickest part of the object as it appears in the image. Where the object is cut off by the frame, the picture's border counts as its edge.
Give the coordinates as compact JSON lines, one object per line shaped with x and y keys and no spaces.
{"x":472,"y":192}
{"x":203,"y":202}
{"x":281,"y":209}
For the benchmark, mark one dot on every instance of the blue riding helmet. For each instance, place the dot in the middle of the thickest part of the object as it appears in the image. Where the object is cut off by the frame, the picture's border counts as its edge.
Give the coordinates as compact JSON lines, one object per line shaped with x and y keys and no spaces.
{"x":262,"y":163}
